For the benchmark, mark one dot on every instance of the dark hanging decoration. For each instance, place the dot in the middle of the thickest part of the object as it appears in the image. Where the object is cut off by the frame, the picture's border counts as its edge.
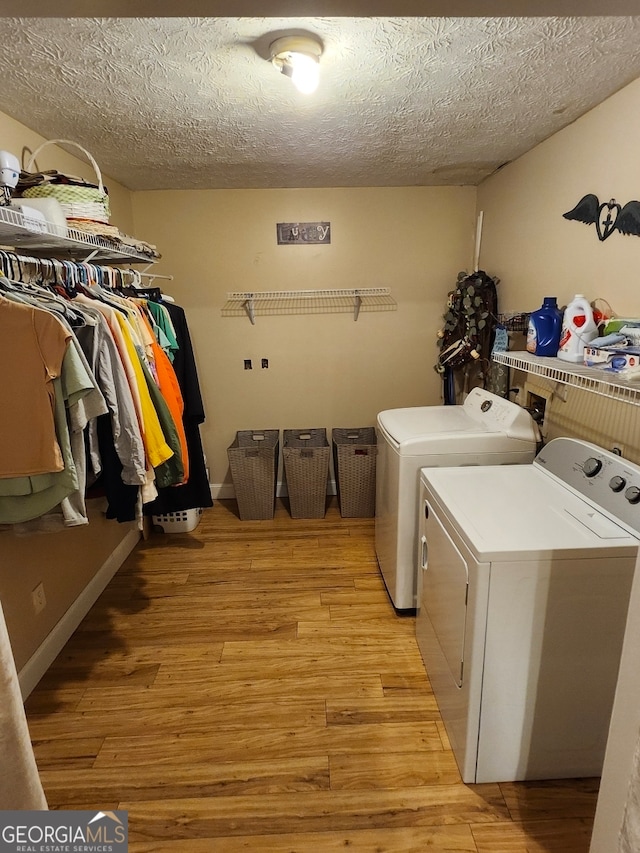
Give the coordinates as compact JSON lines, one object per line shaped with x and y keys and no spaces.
{"x":469,"y":328}
{"x":608,"y":216}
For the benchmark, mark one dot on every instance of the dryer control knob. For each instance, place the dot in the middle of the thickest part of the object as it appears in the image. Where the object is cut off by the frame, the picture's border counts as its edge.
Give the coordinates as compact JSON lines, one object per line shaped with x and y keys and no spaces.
{"x":591,"y":466}
{"x":633,"y":494}
{"x":617,"y":483}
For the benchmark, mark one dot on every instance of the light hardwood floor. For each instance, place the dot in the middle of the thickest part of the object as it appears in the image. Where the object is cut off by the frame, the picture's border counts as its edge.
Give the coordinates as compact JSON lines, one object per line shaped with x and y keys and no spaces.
{"x":249,"y":687}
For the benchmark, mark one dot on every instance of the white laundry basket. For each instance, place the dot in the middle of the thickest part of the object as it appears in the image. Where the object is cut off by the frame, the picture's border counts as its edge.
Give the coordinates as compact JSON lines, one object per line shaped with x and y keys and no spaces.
{"x":178,"y":522}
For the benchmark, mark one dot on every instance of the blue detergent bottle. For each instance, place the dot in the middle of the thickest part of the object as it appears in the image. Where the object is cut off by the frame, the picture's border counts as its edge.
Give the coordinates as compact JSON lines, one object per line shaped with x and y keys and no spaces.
{"x":545,"y":326}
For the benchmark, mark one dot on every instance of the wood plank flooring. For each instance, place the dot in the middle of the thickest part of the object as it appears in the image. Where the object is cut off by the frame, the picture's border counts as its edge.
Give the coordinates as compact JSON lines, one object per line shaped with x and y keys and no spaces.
{"x":249,"y":687}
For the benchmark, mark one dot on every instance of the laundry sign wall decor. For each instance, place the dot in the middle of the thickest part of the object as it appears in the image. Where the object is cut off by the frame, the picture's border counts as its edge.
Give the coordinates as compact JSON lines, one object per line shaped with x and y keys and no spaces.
{"x":608,"y":216}
{"x":303,"y":233}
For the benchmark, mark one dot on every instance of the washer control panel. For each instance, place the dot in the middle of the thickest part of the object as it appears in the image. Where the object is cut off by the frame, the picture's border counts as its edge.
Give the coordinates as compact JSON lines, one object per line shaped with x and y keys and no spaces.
{"x":606,"y":480}
{"x":497,"y":413}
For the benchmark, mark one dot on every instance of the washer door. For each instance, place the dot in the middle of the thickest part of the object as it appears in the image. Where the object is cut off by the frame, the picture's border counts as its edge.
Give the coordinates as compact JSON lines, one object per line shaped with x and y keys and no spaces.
{"x":445,"y":585}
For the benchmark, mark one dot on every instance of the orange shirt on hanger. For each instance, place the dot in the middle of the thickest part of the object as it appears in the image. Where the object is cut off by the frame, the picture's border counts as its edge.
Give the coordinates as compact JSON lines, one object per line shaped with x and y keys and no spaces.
{"x":170,"y":390}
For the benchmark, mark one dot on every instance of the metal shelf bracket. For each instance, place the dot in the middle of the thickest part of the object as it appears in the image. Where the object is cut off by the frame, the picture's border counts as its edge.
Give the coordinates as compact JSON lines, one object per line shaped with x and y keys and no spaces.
{"x":250,"y":308}
{"x":357,"y":302}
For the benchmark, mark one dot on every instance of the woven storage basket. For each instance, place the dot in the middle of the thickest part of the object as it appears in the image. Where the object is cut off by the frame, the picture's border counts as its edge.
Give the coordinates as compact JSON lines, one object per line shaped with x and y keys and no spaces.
{"x":78,"y":202}
{"x":306,"y":453}
{"x":354,"y":460}
{"x":253,"y":460}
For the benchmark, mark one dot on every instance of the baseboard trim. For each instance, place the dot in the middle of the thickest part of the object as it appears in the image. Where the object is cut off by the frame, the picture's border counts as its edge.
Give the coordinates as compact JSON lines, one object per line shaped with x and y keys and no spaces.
{"x":54,"y":642}
{"x":222,"y":491}
{"x":226,"y":491}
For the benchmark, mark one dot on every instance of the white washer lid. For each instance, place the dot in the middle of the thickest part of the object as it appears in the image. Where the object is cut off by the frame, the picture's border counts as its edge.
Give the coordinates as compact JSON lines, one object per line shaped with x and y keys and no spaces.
{"x":404,"y":425}
{"x":506,"y":512}
{"x":497,"y":424}
{"x":439,"y":430}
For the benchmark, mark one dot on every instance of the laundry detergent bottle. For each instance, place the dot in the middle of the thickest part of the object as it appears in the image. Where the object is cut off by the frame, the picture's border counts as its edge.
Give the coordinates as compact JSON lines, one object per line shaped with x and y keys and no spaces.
{"x":545,"y":325}
{"x":578,"y":329}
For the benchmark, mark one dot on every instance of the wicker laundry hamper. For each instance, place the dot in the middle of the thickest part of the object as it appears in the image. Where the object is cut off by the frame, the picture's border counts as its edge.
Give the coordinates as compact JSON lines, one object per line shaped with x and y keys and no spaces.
{"x":253,"y":460}
{"x":79,"y":200}
{"x":354,"y":461}
{"x":305,"y":453}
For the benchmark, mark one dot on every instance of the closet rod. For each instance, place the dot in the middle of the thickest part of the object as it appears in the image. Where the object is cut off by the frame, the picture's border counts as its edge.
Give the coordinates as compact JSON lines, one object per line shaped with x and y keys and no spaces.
{"x":33,"y":259}
{"x":15,"y":266}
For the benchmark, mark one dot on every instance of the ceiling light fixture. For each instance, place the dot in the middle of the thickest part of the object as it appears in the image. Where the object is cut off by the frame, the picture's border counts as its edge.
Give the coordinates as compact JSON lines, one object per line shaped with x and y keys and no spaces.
{"x":298,"y":57}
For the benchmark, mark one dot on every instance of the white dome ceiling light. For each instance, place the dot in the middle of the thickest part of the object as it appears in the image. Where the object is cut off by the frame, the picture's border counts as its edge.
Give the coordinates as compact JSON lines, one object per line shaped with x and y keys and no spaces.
{"x":298,"y":57}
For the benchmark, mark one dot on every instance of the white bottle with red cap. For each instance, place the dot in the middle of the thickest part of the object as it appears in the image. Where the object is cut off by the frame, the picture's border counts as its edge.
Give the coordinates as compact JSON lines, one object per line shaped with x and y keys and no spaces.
{"x":578,"y":329}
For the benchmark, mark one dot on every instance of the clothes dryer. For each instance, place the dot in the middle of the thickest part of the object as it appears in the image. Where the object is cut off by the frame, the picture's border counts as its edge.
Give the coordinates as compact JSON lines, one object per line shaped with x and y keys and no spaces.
{"x":485,"y":430}
{"x":525,"y":577}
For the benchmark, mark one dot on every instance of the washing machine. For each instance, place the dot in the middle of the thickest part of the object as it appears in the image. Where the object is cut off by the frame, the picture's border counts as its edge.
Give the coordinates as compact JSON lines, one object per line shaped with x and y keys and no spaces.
{"x":484,"y":430}
{"x":524,"y":582}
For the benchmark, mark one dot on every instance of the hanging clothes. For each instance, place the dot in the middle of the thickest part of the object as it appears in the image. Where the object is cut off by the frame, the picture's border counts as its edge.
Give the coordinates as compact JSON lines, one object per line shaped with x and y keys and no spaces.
{"x":35,"y":341}
{"x":132,"y":378}
{"x":196,"y":493}
{"x":100,"y":406}
{"x":167,"y":336}
{"x":26,"y":498}
{"x":170,"y":390}
{"x":101,"y":351}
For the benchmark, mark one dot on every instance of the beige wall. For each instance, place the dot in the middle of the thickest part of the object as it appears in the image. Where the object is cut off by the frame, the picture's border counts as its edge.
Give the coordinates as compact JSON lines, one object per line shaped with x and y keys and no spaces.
{"x":536,"y":252}
{"x":325,"y":370}
{"x":65,"y":562}
{"x":527,"y":242}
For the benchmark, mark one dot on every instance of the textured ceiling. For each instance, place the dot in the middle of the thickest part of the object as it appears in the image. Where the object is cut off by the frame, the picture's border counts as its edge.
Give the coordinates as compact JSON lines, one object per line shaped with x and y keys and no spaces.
{"x":194,"y":103}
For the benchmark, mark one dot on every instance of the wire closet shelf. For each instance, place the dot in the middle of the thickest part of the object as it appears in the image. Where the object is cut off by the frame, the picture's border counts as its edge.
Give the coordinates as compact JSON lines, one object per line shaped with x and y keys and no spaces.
{"x":592,"y":379}
{"x":18,"y":231}
{"x":339,"y":301}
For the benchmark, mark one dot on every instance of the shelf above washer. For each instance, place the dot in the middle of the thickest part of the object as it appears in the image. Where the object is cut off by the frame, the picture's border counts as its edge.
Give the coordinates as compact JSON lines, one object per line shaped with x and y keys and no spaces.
{"x":590,"y":379}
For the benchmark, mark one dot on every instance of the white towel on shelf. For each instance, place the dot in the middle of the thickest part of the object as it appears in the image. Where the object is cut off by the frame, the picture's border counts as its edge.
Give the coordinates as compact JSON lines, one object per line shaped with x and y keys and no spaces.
{"x":20,"y":786}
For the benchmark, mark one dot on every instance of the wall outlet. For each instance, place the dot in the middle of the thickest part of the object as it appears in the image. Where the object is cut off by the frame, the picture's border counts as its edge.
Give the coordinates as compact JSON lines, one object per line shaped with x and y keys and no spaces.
{"x":38,"y":598}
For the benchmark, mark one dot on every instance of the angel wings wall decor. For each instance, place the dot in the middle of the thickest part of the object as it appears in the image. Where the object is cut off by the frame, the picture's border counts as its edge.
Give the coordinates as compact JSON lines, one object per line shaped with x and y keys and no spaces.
{"x":608,"y":216}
